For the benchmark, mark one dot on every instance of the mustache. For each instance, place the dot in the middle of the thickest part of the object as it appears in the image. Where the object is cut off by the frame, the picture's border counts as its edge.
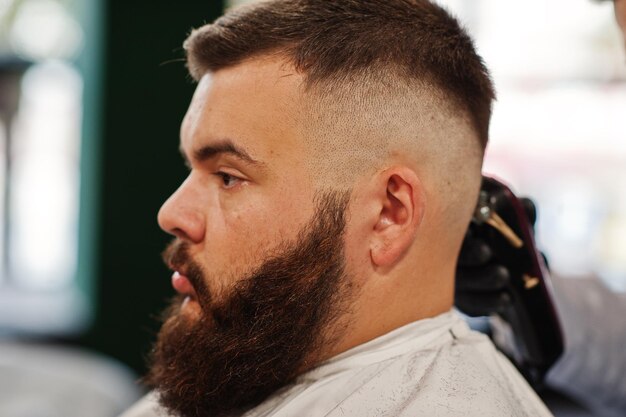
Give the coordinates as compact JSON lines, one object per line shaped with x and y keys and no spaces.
{"x":176,"y":254}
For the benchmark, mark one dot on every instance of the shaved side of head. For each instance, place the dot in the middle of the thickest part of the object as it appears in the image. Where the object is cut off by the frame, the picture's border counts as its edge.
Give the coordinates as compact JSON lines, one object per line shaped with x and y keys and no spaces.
{"x":358,"y":127}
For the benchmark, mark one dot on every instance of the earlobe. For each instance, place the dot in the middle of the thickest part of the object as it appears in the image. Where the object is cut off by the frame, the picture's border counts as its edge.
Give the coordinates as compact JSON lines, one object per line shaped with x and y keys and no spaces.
{"x":402,"y":207}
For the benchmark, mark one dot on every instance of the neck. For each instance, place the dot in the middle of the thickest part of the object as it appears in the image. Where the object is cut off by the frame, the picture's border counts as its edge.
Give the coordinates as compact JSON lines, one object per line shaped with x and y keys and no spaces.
{"x":385,"y":303}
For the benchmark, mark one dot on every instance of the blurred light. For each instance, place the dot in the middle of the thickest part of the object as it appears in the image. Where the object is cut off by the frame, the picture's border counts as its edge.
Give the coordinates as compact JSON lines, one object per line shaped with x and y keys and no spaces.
{"x":3,"y":139}
{"x":555,"y":40}
{"x":561,"y":118}
{"x":45,"y":178}
{"x":4,"y":6}
{"x":44,"y":29}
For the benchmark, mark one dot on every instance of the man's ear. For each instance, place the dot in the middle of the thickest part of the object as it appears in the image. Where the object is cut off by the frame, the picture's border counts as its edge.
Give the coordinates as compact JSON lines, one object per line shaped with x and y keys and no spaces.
{"x":400,"y":197}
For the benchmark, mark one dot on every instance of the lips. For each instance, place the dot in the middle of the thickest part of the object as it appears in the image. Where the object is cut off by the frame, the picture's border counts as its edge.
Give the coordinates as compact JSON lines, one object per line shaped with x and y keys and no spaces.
{"x":182,"y":285}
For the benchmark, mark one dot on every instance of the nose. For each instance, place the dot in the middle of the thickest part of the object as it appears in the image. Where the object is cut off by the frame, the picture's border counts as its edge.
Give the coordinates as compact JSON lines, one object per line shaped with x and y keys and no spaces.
{"x":180,"y":215}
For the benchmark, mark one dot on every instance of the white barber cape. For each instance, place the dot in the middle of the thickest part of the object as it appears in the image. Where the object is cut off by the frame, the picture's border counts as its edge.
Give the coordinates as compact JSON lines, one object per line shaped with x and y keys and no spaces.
{"x":432,"y":367}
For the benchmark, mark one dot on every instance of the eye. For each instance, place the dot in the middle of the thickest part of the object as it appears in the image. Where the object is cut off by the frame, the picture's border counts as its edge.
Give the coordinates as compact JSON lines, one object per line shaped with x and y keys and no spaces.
{"x":228,"y":180}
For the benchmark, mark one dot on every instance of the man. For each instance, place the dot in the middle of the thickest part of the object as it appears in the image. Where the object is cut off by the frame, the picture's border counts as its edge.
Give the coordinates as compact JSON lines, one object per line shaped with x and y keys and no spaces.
{"x":335,"y":153}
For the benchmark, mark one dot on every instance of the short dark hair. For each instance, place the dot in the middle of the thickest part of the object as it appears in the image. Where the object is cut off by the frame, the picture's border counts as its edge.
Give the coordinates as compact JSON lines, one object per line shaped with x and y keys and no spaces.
{"x":338,"y":39}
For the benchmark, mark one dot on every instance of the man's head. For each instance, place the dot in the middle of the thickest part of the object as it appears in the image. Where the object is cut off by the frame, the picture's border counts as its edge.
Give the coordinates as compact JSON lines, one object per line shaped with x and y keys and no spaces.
{"x":336,"y":148}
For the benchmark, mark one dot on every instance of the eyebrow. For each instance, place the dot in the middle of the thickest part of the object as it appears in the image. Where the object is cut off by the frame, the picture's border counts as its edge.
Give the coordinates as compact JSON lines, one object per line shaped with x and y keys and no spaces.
{"x":224,"y":146}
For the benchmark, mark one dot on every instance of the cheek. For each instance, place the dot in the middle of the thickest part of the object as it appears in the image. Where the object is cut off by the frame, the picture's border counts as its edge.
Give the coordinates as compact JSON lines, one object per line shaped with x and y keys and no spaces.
{"x":251,"y":223}
{"x":264,"y":216}
{"x":250,"y":229}
{"x":250,"y":232}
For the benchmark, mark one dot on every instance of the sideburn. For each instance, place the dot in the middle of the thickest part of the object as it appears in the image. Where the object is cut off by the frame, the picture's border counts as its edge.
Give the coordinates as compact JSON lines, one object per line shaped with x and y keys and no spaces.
{"x":274,"y":324}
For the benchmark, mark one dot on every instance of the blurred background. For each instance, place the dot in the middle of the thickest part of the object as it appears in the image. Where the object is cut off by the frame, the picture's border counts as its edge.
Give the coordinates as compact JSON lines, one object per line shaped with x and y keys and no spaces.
{"x":92,"y":93}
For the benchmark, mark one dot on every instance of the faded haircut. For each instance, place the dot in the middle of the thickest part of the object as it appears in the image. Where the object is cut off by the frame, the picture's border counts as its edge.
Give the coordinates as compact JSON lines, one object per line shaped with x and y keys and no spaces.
{"x":331,"y":42}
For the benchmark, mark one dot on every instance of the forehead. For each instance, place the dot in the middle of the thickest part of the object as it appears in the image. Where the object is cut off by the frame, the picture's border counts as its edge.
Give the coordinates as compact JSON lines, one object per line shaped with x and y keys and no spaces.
{"x":254,"y":104}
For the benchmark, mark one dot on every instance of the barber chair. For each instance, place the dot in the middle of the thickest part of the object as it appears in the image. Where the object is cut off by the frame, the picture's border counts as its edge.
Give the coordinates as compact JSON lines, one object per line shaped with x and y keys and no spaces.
{"x":506,"y":279}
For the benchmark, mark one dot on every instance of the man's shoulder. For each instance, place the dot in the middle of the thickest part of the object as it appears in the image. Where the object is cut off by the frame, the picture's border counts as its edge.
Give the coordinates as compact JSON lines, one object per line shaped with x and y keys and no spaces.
{"x":459,"y":374}
{"x":465,"y":376}
{"x":463,"y":379}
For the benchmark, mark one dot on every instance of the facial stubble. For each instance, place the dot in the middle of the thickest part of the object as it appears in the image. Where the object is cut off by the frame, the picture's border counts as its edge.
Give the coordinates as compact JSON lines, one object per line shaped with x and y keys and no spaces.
{"x":271,"y":326}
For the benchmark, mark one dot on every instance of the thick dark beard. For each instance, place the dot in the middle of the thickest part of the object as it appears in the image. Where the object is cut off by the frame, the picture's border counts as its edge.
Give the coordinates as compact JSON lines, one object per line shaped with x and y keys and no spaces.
{"x":272,"y":326}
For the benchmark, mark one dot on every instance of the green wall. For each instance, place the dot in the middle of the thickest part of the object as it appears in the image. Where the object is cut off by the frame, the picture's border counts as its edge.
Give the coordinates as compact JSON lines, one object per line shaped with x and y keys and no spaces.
{"x":135,"y":98}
